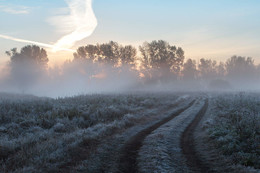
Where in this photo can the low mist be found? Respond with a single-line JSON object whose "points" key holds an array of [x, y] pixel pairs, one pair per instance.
{"points": [[114, 68]]}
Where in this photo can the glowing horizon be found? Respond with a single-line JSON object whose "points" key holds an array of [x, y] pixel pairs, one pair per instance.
{"points": [[215, 30]]}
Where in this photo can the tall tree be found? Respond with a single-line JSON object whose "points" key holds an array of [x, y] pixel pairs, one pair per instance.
{"points": [[33, 54], [239, 68], [128, 55], [164, 60], [90, 52], [207, 69], [189, 71], [107, 53], [27, 65], [221, 70]]}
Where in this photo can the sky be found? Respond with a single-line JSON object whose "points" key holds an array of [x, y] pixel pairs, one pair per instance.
{"points": [[215, 29]]}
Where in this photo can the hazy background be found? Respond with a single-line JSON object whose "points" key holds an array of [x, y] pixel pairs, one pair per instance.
{"points": [[208, 29], [220, 40], [111, 67]]}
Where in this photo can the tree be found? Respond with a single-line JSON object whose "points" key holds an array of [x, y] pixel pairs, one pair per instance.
{"points": [[88, 52], [240, 68], [207, 69], [33, 54], [258, 74], [163, 59], [221, 70], [27, 65], [110, 53], [258, 71], [189, 71], [128, 55]]}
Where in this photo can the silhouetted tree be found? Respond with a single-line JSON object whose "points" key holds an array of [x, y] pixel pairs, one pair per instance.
{"points": [[189, 71], [33, 54], [240, 68], [108, 53], [207, 69], [27, 65], [163, 59], [258, 71], [128, 55], [162, 62], [88, 52], [221, 70]]}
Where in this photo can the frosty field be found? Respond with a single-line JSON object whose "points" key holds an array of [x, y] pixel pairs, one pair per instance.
{"points": [[152, 132], [92, 86]]}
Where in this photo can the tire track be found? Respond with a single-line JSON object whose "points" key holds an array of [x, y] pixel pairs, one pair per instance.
{"points": [[188, 144], [85, 148], [127, 162]]}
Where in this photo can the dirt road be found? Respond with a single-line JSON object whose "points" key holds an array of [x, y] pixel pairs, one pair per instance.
{"points": [[132, 148], [188, 145], [128, 160]]}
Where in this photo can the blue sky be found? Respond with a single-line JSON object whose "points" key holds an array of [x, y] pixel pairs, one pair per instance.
{"points": [[214, 29]]}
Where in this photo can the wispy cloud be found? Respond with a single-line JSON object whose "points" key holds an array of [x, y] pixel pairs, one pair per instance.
{"points": [[15, 9], [79, 23], [35, 42]]}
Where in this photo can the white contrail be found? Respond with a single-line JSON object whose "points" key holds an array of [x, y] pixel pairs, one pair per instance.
{"points": [[35, 42], [82, 22]]}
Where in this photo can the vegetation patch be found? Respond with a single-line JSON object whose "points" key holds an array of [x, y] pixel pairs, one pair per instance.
{"points": [[236, 127]]}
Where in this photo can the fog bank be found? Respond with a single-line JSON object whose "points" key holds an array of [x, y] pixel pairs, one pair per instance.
{"points": [[114, 68]]}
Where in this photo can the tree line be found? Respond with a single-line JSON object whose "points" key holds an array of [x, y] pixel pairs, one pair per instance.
{"points": [[153, 62]]}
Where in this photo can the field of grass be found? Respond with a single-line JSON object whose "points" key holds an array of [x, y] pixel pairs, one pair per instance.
{"points": [[44, 134], [84, 132], [236, 127]]}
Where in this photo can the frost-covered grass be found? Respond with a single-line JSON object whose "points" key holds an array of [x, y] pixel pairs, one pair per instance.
{"points": [[161, 150], [44, 135], [236, 127]]}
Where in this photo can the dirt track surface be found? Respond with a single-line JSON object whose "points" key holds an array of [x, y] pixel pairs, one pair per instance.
{"points": [[173, 144], [170, 137], [129, 153], [194, 162]]}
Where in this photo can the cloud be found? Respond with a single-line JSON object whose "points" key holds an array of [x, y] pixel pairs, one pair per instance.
{"points": [[35, 42], [79, 24], [15, 9]]}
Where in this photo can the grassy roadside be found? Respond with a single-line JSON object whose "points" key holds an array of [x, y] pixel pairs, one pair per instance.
{"points": [[235, 128]]}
